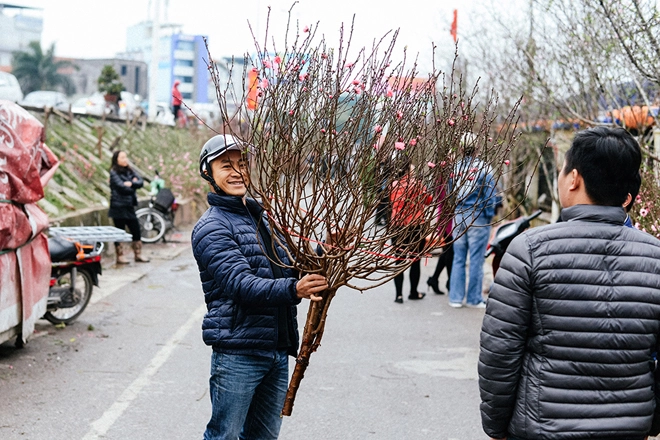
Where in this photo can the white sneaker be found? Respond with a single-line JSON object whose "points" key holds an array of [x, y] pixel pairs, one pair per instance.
{"points": [[455, 305], [480, 305]]}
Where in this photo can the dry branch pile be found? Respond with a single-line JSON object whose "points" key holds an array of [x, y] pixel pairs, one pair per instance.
{"points": [[333, 129]]}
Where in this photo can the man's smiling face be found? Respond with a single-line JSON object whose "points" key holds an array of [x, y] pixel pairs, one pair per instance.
{"points": [[230, 172]]}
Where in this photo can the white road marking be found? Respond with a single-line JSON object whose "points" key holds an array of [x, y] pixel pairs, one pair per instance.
{"points": [[102, 425]]}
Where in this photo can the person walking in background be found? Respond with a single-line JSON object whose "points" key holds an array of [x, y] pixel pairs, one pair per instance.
{"points": [[124, 182], [476, 201], [408, 198], [445, 261], [177, 100], [251, 299], [570, 336]]}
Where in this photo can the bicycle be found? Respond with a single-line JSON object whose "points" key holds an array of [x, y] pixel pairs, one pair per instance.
{"points": [[158, 218]]}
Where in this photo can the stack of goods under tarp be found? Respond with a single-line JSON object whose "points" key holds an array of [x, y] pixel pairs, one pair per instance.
{"points": [[26, 165]]}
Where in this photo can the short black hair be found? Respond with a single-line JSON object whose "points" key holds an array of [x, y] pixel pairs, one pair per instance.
{"points": [[608, 159]]}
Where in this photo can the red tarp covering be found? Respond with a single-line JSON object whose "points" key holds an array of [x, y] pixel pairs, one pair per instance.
{"points": [[26, 165]]}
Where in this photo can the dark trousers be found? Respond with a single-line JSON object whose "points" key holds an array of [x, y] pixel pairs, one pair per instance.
{"points": [[445, 261], [400, 243], [132, 224]]}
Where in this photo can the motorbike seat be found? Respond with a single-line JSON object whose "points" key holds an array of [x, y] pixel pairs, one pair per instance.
{"points": [[61, 249]]}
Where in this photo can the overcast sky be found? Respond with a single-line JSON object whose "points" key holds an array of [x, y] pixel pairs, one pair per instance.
{"points": [[97, 29]]}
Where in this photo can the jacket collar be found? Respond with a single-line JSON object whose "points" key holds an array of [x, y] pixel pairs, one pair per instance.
{"points": [[615, 215], [235, 203]]}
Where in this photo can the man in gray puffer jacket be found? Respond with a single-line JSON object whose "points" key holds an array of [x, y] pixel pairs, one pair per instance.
{"points": [[572, 325]]}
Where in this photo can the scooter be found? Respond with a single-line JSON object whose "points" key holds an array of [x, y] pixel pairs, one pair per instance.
{"points": [[75, 271], [75, 254], [504, 234]]}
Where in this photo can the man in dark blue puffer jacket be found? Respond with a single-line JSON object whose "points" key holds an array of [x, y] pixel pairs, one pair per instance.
{"points": [[251, 301], [572, 324]]}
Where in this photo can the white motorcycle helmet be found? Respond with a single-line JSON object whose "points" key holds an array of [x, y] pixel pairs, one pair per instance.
{"points": [[214, 148]]}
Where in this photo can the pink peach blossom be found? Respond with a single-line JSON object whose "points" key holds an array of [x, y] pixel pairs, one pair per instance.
{"points": [[348, 65], [254, 70], [356, 82], [264, 83], [303, 76], [267, 64], [323, 130], [277, 59], [399, 145], [450, 122], [443, 163], [324, 56], [399, 114], [413, 142], [389, 92], [507, 162], [306, 29], [378, 129], [431, 165], [291, 112], [643, 212]]}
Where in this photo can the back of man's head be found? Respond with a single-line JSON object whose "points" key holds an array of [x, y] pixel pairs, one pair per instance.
{"points": [[608, 160]]}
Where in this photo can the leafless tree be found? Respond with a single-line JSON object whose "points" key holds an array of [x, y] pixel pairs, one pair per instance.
{"points": [[336, 130]]}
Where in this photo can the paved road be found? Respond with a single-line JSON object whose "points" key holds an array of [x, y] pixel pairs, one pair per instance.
{"points": [[134, 366]]}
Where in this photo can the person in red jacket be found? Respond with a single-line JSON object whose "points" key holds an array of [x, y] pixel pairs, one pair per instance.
{"points": [[408, 198], [177, 99]]}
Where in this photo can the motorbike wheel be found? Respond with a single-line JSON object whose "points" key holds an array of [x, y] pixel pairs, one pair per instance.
{"points": [[152, 225], [80, 296]]}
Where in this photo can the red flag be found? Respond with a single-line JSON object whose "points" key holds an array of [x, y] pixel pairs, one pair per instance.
{"points": [[454, 26]]}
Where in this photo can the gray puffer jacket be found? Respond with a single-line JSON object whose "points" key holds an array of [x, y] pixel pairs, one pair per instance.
{"points": [[571, 331]]}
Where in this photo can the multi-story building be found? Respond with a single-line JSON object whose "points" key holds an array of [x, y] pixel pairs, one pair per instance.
{"points": [[132, 74], [20, 25], [180, 56]]}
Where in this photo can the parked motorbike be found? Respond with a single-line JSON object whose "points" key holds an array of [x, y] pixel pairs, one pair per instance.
{"points": [[75, 270], [75, 254], [504, 234], [158, 218]]}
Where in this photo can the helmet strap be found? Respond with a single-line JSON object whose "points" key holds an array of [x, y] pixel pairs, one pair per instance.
{"points": [[211, 180]]}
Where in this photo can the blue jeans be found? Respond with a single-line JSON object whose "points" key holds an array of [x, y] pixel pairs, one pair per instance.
{"points": [[473, 241], [247, 395]]}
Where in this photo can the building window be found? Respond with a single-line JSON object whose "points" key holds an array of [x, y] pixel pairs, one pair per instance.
{"points": [[184, 63], [186, 95], [185, 45], [123, 70]]}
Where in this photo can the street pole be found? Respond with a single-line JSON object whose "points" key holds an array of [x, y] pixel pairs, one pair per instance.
{"points": [[153, 62]]}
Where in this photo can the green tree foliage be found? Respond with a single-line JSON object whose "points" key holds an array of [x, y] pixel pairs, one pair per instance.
{"points": [[38, 70], [109, 81]]}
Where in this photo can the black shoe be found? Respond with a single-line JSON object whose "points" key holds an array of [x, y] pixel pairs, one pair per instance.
{"points": [[399, 299], [433, 284], [416, 295]]}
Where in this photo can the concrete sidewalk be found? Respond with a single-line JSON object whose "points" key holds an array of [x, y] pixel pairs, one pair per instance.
{"points": [[115, 276]]}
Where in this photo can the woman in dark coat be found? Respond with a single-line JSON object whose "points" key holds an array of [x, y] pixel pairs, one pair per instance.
{"points": [[124, 182]]}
